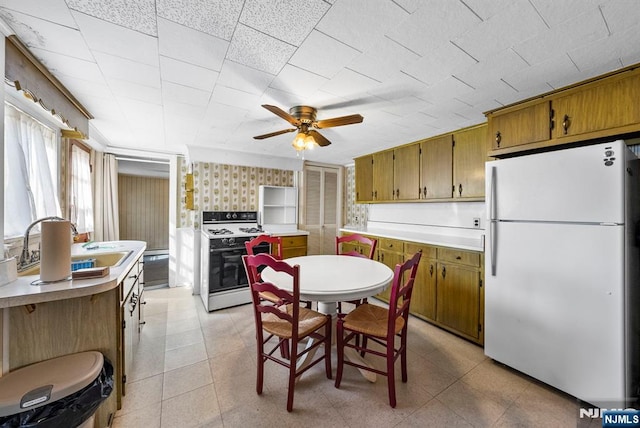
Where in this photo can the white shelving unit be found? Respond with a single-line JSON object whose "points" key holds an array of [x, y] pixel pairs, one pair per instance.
{"points": [[278, 208]]}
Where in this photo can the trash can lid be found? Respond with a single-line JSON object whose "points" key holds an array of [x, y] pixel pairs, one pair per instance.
{"points": [[47, 381]]}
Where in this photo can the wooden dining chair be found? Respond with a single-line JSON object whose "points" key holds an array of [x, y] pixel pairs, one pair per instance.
{"points": [[288, 322], [380, 325], [362, 240], [275, 242]]}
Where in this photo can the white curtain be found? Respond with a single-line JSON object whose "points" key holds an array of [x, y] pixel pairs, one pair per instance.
{"points": [[81, 203], [30, 177], [107, 226]]}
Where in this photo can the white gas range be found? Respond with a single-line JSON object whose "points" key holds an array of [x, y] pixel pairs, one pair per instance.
{"points": [[223, 282]]}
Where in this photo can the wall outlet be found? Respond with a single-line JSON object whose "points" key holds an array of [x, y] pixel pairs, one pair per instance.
{"points": [[476, 222]]}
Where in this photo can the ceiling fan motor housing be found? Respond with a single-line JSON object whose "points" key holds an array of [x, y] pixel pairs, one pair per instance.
{"points": [[305, 114]]}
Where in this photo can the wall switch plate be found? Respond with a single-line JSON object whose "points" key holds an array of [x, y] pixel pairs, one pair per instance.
{"points": [[476, 222]]}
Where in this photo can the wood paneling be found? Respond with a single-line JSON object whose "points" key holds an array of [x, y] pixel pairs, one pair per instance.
{"points": [[144, 210]]}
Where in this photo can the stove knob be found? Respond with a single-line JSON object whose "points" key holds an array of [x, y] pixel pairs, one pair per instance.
{"points": [[224, 241], [235, 215], [228, 215], [231, 241]]}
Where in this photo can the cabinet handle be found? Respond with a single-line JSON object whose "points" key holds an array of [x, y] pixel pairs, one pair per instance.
{"points": [[552, 122], [419, 193], [382, 257], [458, 258], [375, 194], [460, 189], [425, 191], [431, 270], [398, 193], [498, 139], [566, 123], [444, 271]]}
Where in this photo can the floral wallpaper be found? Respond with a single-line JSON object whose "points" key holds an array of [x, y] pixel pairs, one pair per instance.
{"points": [[355, 214], [219, 187]]}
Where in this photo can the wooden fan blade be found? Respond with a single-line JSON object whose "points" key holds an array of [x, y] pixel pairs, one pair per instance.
{"points": [[338, 121], [273, 134], [283, 114], [319, 138]]}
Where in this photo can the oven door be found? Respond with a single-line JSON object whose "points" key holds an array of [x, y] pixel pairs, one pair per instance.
{"points": [[226, 271]]}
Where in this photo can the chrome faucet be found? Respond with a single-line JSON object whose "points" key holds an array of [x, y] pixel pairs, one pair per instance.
{"points": [[25, 260]]}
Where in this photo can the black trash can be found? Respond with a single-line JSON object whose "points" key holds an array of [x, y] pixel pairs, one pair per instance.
{"points": [[60, 392]]}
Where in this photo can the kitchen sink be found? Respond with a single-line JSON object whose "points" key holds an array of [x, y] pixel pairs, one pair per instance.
{"points": [[112, 259]]}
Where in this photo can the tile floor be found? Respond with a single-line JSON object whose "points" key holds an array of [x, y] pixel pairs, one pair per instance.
{"points": [[197, 369]]}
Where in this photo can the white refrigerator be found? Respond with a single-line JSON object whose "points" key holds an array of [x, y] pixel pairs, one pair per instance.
{"points": [[562, 270]]}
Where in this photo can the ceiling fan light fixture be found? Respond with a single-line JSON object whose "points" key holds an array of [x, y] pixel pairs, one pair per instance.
{"points": [[299, 142]]}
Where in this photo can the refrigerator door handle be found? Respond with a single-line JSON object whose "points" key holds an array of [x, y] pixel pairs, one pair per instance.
{"points": [[493, 222]]}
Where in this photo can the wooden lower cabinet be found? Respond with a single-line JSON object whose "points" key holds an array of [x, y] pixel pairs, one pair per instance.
{"points": [[448, 290], [294, 246]]}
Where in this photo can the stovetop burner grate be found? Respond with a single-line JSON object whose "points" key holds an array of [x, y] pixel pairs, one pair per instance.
{"points": [[219, 231]]}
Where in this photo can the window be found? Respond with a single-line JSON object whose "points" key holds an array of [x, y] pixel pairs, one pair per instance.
{"points": [[81, 200], [31, 171]]}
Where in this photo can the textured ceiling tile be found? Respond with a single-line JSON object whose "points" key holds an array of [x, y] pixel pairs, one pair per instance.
{"points": [[349, 82], [409, 5], [607, 49], [491, 69], [508, 28], [298, 81], [191, 46], [233, 97], [621, 15], [139, 15], [486, 9], [358, 23], [582, 30], [217, 18], [38, 33], [323, 55], [243, 78], [60, 64], [556, 12], [85, 89], [187, 74], [176, 109], [131, 71], [54, 10], [287, 20], [535, 78], [223, 115], [260, 51], [113, 39], [433, 24], [135, 91], [440, 64], [185, 94], [388, 57]]}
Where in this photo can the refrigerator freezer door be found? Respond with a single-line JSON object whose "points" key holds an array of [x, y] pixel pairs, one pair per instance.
{"points": [[584, 184], [555, 308]]}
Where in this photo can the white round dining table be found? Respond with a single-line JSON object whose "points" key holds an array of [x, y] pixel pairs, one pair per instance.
{"points": [[328, 279]]}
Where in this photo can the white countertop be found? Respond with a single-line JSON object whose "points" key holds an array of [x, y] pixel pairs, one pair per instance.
{"points": [[287, 232], [21, 292], [473, 243]]}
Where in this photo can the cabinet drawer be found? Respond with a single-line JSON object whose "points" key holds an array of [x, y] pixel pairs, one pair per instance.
{"points": [[427, 250], [294, 252], [294, 241], [390, 244], [459, 256], [128, 282]]}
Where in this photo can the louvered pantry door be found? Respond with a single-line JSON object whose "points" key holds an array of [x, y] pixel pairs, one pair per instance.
{"points": [[321, 208]]}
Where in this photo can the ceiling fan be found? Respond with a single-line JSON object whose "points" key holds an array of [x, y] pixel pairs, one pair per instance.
{"points": [[304, 118]]}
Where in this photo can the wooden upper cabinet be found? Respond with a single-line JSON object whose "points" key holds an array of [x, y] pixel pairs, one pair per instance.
{"points": [[521, 125], [469, 156], [406, 172], [383, 176], [436, 167], [599, 107], [364, 178]]}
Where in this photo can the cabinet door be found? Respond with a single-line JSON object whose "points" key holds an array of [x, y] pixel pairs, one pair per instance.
{"points": [[423, 300], [525, 125], [612, 103], [458, 301], [383, 176], [406, 172], [469, 156], [364, 178], [436, 167], [391, 259]]}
